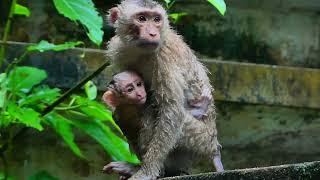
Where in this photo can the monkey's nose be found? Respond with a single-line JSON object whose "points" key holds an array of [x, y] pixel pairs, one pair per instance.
{"points": [[153, 34]]}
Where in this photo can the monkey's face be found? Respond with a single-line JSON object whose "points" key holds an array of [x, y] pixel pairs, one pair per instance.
{"points": [[147, 26], [132, 88], [140, 24]]}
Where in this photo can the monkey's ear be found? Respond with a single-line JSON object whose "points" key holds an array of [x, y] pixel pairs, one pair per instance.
{"points": [[111, 99], [114, 14]]}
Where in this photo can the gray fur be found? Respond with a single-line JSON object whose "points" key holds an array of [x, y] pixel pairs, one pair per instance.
{"points": [[169, 70]]}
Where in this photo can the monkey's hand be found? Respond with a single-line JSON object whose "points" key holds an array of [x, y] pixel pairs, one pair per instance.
{"points": [[199, 107], [140, 175], [124, 169]]}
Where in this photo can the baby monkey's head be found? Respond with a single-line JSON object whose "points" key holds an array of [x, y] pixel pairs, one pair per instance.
{"points": [[125, 88]]}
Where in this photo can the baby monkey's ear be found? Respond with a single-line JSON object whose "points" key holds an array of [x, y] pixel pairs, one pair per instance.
{"points": [[111, 99], [113, 16]]}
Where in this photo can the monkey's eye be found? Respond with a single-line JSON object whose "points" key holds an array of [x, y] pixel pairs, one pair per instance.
{"points": [[157, 19], [139, 84], [130, 89], [142, 18]]}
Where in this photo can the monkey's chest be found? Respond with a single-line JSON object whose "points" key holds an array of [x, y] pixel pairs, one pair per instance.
{"points": [[129, 123]]}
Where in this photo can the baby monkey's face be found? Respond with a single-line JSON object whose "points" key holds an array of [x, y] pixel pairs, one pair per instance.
{"points": [[132, 88]]}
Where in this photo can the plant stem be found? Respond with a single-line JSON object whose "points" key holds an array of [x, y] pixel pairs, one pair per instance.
{"points": [[69, 107], [76, 87], [6, 31], [15, 62], [5, 165]]}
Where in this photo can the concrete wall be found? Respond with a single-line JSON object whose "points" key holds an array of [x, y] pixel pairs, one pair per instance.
{"points": [[271, 32]]}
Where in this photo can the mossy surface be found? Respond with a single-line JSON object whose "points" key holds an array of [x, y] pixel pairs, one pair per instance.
{"points": [[305, 171]]}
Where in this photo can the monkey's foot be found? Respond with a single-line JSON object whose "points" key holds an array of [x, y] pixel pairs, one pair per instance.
{"points": [[141, 176]]}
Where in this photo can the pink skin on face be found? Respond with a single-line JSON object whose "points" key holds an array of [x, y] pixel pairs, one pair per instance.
{"points": [[132, 88]]}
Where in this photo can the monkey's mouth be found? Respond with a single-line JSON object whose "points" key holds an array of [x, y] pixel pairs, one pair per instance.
{"points": [[142, 100], [148, 44]]}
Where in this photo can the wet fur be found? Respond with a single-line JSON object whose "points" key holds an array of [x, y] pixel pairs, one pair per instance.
{"points": [[169, 71]]}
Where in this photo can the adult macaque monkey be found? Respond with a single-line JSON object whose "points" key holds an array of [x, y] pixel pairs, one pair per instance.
{"points": [[145, 43]]}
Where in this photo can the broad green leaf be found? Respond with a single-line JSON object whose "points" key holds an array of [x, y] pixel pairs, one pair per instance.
{"points": [[21, 10], [24, 78], [3, 89], [91, 90], [2, 77], [2, 177], [6, 119], [116, 147], [219, 4], [96, 110], [46, 46], [3, 92], [42, 175], [85, 12], [41, 94], [63, 127], [26, 116], [176, 16]]}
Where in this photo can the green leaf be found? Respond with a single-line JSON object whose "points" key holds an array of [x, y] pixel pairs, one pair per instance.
{"points": [[91, 90], [2, 177], [3, 88], [96, 110], [41, 94], [42, 175], [116, 147], [46, 46], [26, 116], [5, 119], [63, 127], [85, 12], [219, 4], [24, 78], [176, 16], [21, 10]]}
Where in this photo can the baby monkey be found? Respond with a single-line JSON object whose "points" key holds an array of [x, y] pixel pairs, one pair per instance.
{"points": [[126, 95]]}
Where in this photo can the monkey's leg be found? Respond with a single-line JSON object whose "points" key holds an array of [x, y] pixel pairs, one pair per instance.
{"points": [[202, 141], [178, 163], [217, 160], [164, 137]]}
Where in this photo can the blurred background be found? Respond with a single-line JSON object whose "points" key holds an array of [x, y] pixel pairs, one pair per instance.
{"points": [[263, 56]]}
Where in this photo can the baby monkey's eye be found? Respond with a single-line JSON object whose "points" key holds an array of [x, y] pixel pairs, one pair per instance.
{"points": [[157, 19], [139, 84], [142, 18], [129, 90]]}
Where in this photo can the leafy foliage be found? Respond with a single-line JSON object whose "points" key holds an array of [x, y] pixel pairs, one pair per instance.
{"points": [[42, 175], [21, 10], [83, 11], [45, 46], [24, 98], [91, 90], [22, 79], [219, 4], [64, 128]]}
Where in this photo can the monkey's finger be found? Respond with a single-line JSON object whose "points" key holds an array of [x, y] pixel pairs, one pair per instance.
{"points": [[123, 178], [121, 170], [107, 169]]}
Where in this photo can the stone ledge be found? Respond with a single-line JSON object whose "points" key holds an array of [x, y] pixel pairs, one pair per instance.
{"points": [[233, 81], [305, 171]]}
